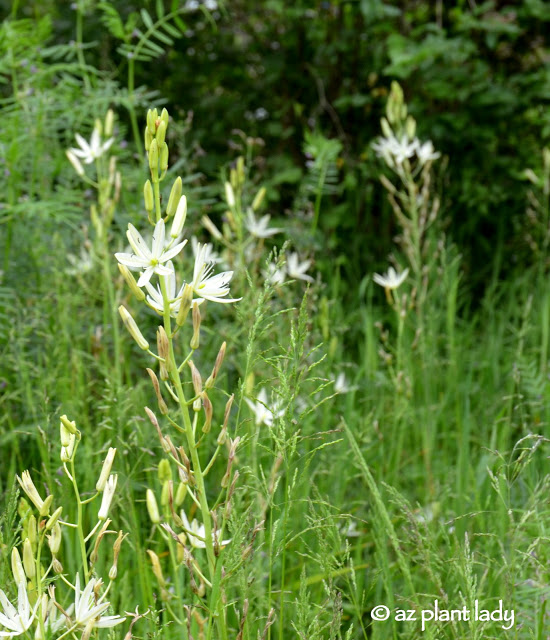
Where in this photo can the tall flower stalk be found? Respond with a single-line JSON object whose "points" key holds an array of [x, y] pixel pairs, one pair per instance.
{"points": [[177, 305]]}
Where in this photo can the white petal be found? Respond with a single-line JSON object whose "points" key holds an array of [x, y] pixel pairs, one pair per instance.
{"points": [[137, 243], [168, 255], [145, 276], [134, 262], [158, 239]]}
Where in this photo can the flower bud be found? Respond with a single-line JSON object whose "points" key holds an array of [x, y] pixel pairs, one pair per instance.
{"points": [[17, 567], [181, 492], [175, 195], [109, 123], [166, 494], [152, 507], [163, 347], [156, 386], [148, 196], [77, 166], [152, 116], [229, 195], [131, 282], [28, 559], [107, 498], [148, 138], [67, 452], [164, 471], [57, 566], [179, 218], [256, 203], [54, 539], [133, 329], [185, 304], [156, 568], [52, 521], [70, 425], [154, 156], [164, 157], [32, 530], [164, 117], [105, 470], [208, 410], [161, 133], [65, 435], [217, 366], [195, 340]]}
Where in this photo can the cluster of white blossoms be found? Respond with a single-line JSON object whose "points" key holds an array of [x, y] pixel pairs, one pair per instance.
{"points": [[395, 150], [85, 613], [157, 260]]}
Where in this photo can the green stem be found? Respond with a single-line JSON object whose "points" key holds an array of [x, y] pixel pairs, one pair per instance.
{"points": [[81, 540]]}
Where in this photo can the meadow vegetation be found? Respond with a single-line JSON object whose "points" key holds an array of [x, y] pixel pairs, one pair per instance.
{"points": [[274, 319]]}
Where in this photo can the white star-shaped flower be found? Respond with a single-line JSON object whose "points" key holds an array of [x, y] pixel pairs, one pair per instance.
{"points": [[260, 228], [391, 279], [93, 150], [262, 413], [426, 152], [149, 260], [208, 287], [155, 298], [88, 612], [296, 269], [17, 621], [196, 534], [209, 254], [395, 150]]}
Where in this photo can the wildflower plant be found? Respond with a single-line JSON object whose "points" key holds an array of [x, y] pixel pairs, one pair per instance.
{"points": [[46, 577], [190, 524]]}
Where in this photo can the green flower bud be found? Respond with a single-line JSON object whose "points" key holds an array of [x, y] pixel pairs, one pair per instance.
{"points": [[161, 133], [152, 507], [173, 200], [164, 157], [133, 329], [164, 471], [148, 196], [28, 559]]}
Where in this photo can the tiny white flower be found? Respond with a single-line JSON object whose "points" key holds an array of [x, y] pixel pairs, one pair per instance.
{"points": [[262, 413], [80, 264], [391, 279], [93, 150], [155, 298], [274, 275], [260, 228], [17, 621], [196, 534], [88, 612], [296, 269], [150, 260], [206, 286], [426, 152], [341, 384]]}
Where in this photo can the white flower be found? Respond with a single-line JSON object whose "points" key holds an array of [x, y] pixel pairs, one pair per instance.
{"points": [[426, 152], [209, 254], [151, 260], [155, 298], [296, 269], [260, 228], [261, 411], [196, 534], [87, 612], [208, 287], [17, 621], [341, 384], [81, 264], [92, 151], [390, 280], [394, 151], [274, 275]]}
